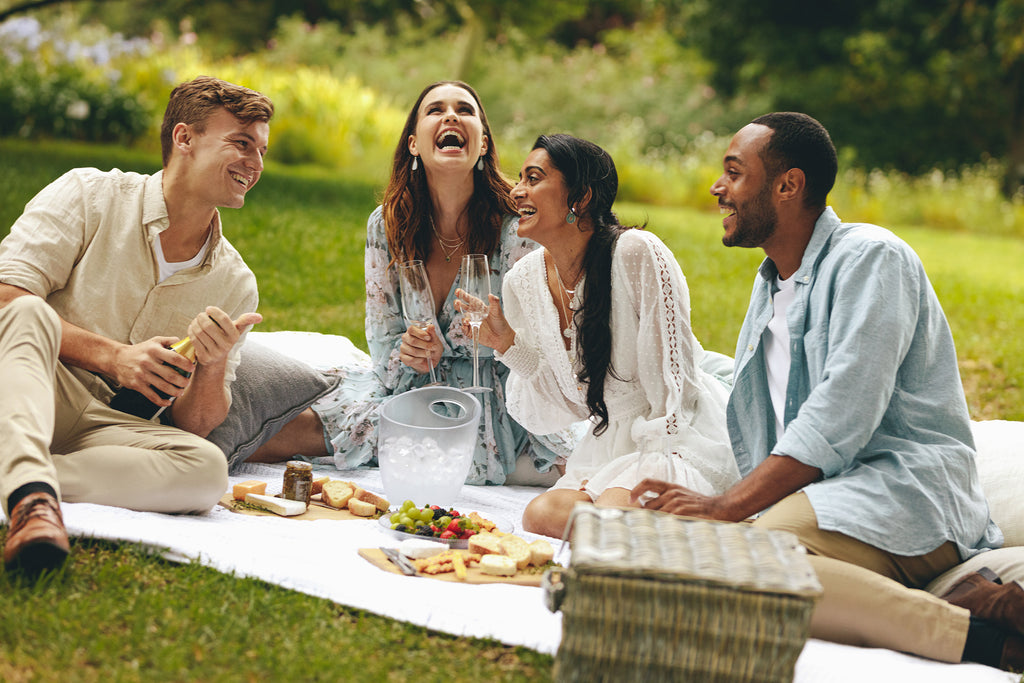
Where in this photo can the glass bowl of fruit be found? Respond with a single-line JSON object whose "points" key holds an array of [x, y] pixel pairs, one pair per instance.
{"points": [[436, 523]]}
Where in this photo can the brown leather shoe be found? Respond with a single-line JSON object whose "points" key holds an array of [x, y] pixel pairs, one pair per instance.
{"points": [[37, 539], [1013, 654], [986, 599]]}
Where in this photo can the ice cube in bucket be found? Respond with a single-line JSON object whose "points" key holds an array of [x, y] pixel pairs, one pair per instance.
{"points": [[425, 444]]}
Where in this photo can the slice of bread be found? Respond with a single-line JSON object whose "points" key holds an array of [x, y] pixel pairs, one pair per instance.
{"points": [[484, 543], [517, 549], [318, 485], [541, 552], [336, 494], [378, 502], [360, 508]]}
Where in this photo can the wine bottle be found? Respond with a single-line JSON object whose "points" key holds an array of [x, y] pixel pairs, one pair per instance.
{"points": [[134, 403]]}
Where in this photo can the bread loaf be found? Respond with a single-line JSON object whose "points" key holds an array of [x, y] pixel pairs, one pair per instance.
{"points": [[484, 543], [360, 508], [541, 552], [318, 485], [377, 501], [336, 494], [517, 549]]}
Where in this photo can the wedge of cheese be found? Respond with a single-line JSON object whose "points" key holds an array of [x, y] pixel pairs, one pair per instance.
{"points": [[279, 506], [498, 565], [238, 491]]}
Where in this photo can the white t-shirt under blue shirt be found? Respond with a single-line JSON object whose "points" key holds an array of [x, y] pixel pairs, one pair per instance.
{"points": [[776, 351]]}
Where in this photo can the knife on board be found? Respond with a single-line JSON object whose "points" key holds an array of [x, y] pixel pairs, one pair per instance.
{"points": [[400, 561]]}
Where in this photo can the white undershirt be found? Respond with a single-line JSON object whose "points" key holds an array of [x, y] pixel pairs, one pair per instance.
{"points": [[776, 351], [168, 269]]}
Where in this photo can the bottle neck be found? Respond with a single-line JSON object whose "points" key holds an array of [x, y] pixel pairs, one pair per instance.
{"points": [[185, 348]]}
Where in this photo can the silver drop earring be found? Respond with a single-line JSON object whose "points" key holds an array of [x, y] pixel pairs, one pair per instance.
{"points": [[480, 164], [415, 163], [570, 217]]}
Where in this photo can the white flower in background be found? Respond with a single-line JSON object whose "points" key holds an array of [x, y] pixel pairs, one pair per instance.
{"points": [[77, 110]]}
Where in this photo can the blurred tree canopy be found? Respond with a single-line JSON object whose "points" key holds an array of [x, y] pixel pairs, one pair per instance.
{"points": [[907, 84], [910, 84]]}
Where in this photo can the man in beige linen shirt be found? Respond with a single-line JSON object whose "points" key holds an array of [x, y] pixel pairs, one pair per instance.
{"points": [[98, 276]]}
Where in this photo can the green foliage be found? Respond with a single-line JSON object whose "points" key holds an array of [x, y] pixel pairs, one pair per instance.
{"points": [[908, 84], [56, 87]]}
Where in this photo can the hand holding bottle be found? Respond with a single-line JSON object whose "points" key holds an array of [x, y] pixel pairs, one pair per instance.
{"points": [[160, 369]]}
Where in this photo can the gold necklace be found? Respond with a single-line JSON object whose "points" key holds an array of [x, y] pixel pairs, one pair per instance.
{"points": [[447, 248], [563, 290]]}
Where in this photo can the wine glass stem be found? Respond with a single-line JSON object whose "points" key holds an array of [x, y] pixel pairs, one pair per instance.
{"points": [[476, 355], [433, 377]]}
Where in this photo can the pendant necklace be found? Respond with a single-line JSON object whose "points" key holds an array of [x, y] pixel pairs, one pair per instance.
{"points": [[448, 248], [567, 332]]}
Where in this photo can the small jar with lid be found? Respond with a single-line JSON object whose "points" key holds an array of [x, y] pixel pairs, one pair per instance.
{"points": [[298, 481]]}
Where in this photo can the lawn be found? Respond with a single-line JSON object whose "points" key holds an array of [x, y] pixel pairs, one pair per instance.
{"points": [[116, 613]]}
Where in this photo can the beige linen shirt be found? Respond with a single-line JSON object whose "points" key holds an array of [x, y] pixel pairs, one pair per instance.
{"points": [[85, 245]]}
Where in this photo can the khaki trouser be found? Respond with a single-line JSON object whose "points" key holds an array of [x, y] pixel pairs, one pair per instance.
{"points": [[872, 597], [52, 430]]}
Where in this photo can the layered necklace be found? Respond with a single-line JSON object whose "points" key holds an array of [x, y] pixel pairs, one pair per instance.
{"points": [[448, 247], [566, 297]]}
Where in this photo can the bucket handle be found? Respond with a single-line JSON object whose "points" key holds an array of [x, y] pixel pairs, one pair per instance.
{"points": [[445, 412]]}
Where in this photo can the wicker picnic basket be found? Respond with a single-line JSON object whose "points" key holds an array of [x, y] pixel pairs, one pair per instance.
{"points": [[655, 597]]}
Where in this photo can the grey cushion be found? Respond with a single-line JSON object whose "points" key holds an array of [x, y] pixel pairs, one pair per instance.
{"points": [[269, 390]]}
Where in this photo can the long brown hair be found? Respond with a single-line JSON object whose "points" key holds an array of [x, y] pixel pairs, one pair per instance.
{"points": [[407, 204]]}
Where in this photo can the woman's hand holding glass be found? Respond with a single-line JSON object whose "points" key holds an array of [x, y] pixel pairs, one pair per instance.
{"points": [[494, 332], [421, 347]]}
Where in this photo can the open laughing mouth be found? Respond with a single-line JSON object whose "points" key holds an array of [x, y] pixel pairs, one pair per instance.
{"points": [[450, 140], [242, 180], [527, 212]]}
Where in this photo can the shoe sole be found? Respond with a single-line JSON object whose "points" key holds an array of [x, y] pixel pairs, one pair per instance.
{"points": [[38, 557]]}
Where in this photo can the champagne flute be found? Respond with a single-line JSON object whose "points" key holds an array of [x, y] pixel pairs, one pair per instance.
{"points": [[476, 283], [417, 300]]}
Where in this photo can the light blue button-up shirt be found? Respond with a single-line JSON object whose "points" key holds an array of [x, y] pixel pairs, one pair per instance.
{"points": [[874, 397]]}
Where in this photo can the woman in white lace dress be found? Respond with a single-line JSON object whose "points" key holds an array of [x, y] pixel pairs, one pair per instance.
{"points": [[597, 325]]}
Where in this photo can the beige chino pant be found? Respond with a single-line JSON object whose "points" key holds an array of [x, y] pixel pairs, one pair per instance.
{"points": [[872, 598], [52, 430]]}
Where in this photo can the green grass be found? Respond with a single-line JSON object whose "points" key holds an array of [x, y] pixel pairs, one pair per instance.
{"points": [[118, 614]]}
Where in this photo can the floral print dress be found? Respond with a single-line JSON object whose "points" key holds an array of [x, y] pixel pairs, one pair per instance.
{"points": [[350, 412]]}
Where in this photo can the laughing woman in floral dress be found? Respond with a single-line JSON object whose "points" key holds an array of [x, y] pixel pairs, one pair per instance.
{"points": [[446, 198]]}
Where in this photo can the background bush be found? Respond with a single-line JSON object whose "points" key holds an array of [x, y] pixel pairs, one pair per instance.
{"points": [[341, 97]]}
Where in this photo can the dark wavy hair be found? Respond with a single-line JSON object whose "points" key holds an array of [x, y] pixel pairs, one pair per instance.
{"points": [[799, 141], [588, 168], [407, 204]]}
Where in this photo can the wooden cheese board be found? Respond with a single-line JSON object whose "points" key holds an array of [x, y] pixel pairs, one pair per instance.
{"points": [[531, 576]]}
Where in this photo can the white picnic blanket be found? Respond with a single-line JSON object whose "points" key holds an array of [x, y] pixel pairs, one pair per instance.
{"points": [[320, 558]]}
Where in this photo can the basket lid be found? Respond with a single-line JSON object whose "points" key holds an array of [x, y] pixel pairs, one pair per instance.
{"points": [[646, 543]]}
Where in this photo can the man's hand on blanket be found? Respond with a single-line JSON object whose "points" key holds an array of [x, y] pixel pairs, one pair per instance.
{"points": [[655, 494]]}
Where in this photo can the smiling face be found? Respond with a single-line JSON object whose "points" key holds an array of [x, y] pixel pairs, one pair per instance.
{"points": [[449, 131], [744, 190], [541, 197], [225, 160]]}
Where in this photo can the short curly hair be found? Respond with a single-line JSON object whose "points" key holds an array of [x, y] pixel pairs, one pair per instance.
{"points": [[799, 141]]}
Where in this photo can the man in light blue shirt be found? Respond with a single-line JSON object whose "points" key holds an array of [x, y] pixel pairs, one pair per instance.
{"points": [[847, 415]]}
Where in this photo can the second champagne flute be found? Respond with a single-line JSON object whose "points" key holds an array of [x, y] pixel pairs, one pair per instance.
{"points": [[476, 283], [417, 300]]}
